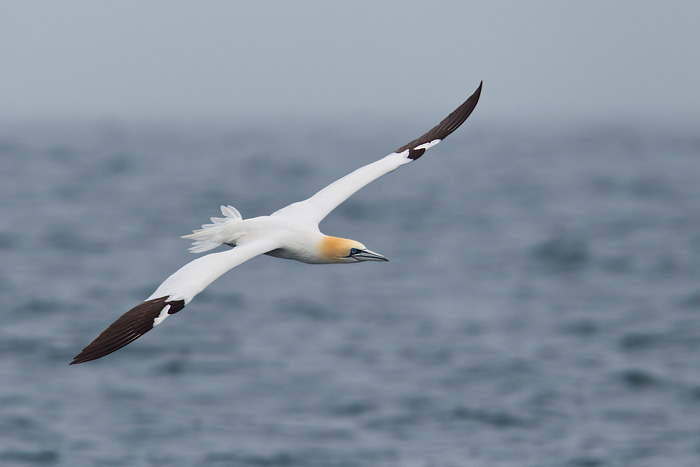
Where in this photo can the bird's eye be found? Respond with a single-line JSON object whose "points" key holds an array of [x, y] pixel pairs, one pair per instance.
{"points": [[354, 251]]}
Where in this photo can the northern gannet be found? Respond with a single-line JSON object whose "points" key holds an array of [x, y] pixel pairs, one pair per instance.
{"points": [[290, 233]]}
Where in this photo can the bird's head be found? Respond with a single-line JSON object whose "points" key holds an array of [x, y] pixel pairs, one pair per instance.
{"points": [[343, 250]]}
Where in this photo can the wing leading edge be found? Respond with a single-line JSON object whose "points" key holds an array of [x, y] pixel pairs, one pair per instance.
{"points": [[170, 297], [326, 200]]}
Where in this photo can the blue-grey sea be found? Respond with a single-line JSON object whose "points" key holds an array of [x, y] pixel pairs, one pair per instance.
{"points": [[541, 306]]}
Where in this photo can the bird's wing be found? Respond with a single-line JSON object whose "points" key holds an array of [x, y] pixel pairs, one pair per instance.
{"points": [[322, 203], [171, 296]]}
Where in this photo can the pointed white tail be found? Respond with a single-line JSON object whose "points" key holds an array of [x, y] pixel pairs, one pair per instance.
{"points": [[213, 235]]}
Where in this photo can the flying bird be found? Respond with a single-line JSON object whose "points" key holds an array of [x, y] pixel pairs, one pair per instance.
{"points": [[290, 233]]}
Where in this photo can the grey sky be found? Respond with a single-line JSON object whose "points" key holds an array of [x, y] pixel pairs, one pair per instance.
{"points": [[320, 59]]}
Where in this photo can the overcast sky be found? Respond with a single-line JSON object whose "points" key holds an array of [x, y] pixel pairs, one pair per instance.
{"points": [[247, 60]]}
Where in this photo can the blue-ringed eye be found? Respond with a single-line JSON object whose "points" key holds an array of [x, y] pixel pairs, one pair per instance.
{"points": [[354, 251]]}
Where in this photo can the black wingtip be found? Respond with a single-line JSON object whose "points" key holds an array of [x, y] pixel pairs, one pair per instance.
{"points": [[129, 327], [445, 127]]}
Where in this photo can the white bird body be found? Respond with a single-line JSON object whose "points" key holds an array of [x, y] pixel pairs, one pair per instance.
{"points": [[289, 233]]}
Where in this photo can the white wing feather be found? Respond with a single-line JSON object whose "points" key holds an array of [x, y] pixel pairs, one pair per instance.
{"points": [[196, 275], [316, 208], [321, 204], [171, 297]]}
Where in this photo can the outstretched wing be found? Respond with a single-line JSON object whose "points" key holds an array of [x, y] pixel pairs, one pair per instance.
{"points": [[170, 297], [322, 203]]}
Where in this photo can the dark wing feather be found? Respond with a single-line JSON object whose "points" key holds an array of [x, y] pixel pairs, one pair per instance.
{"points": [[445, 127], [129, 327]]}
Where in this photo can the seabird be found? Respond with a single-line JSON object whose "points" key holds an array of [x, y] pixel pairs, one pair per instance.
{"points": [[290, 233]]}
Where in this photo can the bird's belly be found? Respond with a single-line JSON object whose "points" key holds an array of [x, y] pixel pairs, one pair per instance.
{"points": [[297, 255], [280, 253]]}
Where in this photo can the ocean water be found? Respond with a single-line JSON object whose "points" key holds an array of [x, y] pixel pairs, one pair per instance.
{"points": [[541, 306]]}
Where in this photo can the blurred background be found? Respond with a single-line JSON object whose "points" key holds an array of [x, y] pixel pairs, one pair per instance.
{"points": [[541, 303]]}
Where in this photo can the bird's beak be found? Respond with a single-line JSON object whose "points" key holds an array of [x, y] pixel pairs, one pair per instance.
{"points": [[367, 255]]}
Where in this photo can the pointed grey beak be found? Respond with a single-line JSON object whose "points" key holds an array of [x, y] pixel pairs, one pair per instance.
{"points": [[367, 255]]}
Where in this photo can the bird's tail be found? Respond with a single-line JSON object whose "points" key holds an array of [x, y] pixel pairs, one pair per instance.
{"points": [[213, 235]]}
